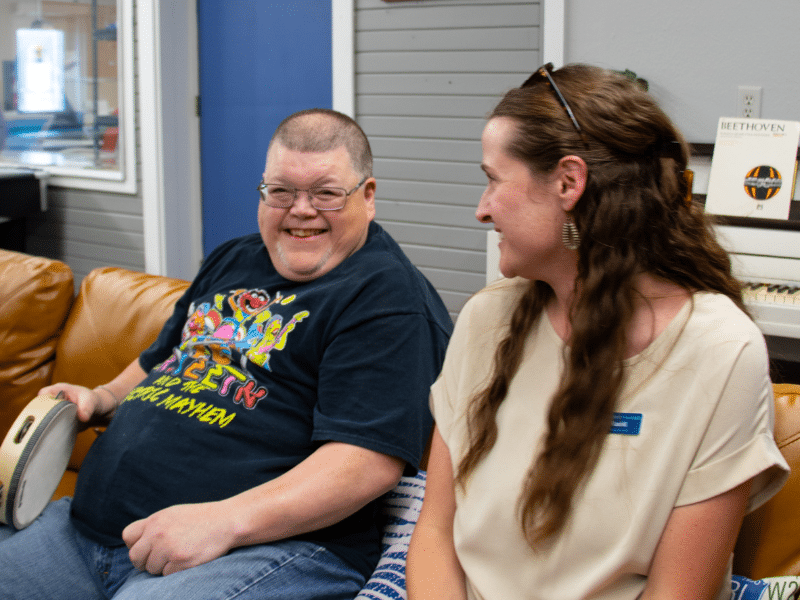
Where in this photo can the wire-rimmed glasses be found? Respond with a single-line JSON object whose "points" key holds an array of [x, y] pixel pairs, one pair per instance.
{"points": [[278, 195]]}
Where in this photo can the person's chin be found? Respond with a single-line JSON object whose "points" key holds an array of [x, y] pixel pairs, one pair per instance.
{"points": [[303, 268]]}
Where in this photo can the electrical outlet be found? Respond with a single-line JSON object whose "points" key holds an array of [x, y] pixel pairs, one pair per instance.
{"points": [[748, 102]]}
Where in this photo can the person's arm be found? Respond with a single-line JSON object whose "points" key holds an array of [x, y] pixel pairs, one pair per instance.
{"points": [[692, 556], [99, 403], [333, 483], [432, 568]]}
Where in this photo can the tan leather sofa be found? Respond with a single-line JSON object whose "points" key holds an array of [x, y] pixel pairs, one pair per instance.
{"points": [[45, 336]]}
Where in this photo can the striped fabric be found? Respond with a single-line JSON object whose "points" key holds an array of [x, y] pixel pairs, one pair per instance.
{"points": [[401, 509]]}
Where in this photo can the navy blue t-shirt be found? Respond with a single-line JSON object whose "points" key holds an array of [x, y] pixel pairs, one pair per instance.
{"points": [[253, 372]]}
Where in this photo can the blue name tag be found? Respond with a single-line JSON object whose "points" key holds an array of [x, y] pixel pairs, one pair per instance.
{"points": [[626, 423]]}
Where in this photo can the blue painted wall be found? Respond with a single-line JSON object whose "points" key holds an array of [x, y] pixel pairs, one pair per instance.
{"points": [[259, 62]]}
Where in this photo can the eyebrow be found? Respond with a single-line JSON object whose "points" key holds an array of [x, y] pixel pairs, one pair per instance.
{"points": [[324, 181]]}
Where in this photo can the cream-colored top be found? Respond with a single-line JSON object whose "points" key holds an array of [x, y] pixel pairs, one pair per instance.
{"points": [[702, 390]]}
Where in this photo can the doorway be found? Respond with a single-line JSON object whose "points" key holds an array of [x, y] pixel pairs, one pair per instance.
{"points": [[259, 62]]}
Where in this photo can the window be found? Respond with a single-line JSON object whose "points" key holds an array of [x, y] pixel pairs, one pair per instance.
{"points": [[67, 99]]}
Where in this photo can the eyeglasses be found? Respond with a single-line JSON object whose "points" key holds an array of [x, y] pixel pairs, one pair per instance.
{"points": [[278, 195], [544, 73]]}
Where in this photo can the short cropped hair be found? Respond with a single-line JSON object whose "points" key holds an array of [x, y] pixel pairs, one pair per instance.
{"points": [[323, 130]]}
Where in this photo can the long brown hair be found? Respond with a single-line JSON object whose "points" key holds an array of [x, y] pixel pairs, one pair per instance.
{"points": [[632, 218]]}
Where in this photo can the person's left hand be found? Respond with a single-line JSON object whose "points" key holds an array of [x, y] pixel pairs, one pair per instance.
{"points": [[178, 538]]}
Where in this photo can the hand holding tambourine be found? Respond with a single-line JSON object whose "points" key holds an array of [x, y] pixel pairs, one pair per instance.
{"points": [[33, 458]]}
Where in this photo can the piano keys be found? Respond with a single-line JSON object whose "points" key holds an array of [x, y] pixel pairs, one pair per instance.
{"points": [[768, 262]]}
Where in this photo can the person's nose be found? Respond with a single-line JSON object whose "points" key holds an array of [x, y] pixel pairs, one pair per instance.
{"points": [[302, 206], [482, 212]]}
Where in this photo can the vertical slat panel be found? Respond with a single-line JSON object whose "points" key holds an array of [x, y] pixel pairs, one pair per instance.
{"points": [[427, 73], [89, 229]]}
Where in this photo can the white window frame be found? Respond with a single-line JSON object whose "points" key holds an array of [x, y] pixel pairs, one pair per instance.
{"points": [[123, 179]]}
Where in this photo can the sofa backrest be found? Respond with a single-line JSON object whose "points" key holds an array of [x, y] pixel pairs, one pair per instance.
{"points": [[35, 296], [117, 314]]}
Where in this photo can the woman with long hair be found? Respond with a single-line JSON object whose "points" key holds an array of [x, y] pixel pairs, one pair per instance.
{"points": [[604, 416]]}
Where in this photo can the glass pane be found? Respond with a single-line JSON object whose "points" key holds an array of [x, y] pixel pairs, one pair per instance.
{"points": [[60, 103]]}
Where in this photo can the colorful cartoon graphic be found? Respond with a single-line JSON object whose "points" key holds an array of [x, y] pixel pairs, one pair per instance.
{"points": [[221, 338], [250, 328]]}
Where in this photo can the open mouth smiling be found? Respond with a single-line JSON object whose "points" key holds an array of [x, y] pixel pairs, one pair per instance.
{"points": [[305, 233]]}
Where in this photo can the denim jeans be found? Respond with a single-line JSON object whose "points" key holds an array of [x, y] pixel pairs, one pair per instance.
{"points": [[51, 559]]}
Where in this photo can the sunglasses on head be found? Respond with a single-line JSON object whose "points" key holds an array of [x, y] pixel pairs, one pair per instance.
{"points": [[545, 74], [667, 150]]}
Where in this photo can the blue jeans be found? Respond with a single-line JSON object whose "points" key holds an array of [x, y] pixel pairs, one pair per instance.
{"points": [[51, 559]]}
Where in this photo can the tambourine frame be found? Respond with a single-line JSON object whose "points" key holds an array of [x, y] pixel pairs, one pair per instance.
{"points": [[35, 450]]}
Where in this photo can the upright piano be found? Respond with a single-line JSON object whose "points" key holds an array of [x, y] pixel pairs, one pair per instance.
{"points": [[767, 260]]}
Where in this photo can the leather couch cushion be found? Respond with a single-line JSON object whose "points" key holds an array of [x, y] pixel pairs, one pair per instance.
{"points": [[117, 314], [35, 295], [769, 543]]}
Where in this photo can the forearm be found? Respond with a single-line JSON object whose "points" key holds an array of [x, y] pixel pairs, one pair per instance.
{"points": [[96, 406], [433, 571], [114, 391], [333, 483], [330, 485], [432, 568]]}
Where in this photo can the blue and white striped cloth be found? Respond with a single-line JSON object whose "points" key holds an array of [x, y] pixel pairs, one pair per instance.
{"points": [[401, 509]]}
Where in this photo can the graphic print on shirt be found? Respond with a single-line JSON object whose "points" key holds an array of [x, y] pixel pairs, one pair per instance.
{"points": [[217, 343]]}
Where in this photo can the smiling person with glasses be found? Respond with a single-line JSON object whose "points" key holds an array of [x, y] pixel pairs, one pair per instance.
{"points": [[604, 415], [312, 215], [251, 443]]}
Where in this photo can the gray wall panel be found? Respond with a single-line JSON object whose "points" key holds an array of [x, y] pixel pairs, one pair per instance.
{"points": [[430, 191], [444, 15], [490, 61], [430, 106], [488, 38], [438, 149], [453, 280], [427, 74], [437, 83], [428, 214], [456, 128], [420, 170], [88, 229], [457, 238], [446, 258]]}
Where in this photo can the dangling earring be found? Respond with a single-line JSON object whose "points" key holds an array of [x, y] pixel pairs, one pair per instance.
{"points": [[569, 235]]}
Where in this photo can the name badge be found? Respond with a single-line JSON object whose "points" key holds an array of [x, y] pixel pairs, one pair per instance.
{"points": [[626, 423]]}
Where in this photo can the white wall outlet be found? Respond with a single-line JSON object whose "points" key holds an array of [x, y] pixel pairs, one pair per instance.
{"points": [[748, 102]]}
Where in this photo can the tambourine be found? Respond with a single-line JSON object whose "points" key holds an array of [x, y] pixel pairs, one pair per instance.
{"points": [[33, 458]]}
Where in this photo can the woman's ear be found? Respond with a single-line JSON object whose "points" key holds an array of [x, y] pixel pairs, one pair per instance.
{"points": [[571, 173]]}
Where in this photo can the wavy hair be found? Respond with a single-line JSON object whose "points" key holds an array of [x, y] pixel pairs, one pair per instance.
{"points": [[633, 218]]}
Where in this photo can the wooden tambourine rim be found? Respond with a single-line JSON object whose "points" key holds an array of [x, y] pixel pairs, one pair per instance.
{"points": [[43, 410]]}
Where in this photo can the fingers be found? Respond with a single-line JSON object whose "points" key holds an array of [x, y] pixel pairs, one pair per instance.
{"points": [[133, 532], [141, 552], [175, 539], [87, 401], [153, 553], [53, 390]]}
